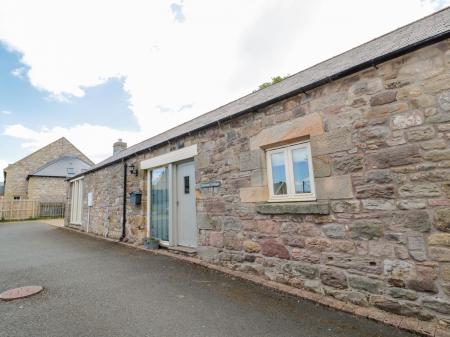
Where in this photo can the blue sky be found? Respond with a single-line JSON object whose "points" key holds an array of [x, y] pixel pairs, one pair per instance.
{"points": [[74, 69], [22, 103]]}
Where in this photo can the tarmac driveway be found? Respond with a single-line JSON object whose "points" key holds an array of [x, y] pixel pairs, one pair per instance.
{"points": [[98, 288]]}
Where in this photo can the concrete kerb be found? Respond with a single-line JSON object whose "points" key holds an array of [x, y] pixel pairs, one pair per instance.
{"points": [[410, 324]]}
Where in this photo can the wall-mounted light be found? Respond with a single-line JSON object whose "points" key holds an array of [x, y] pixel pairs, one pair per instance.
{"points": [[133, 170]]}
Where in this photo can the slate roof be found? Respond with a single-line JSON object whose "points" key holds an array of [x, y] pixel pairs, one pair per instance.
{"points": [[64, 166], [398, 42]]}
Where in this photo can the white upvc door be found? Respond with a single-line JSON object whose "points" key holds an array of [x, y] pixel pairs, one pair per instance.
{"points": [[185, 205]]}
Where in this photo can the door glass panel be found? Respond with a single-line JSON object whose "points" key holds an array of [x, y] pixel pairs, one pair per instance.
{"points": [[278, 173], [301, 170], [186, 185], [159, 204]]}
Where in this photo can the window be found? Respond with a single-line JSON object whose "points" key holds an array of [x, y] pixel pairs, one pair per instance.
{"points": [[290, 173], [76, 203], [16, 197]]}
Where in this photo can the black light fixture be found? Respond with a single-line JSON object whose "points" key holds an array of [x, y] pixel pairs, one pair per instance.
{"points": [[133, 170]]}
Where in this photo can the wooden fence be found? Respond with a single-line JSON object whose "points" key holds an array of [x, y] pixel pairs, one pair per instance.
{"points": [[30, 209]]}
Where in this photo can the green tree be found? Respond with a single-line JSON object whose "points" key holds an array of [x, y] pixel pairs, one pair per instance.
{"points": [[275, 79]]}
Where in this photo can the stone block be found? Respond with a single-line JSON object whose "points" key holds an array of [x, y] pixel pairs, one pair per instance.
{"points": [[381, 248], [431, 176], [401, 293], [365, 264], [273, 248], [411, 204], [334, 231], [442, 219], [439, 239], [254, 194], [252, 160], [396, 156], [419, 190], [444, 100], [440, 254], [333, 278], [374, 191], [251, 246], [437, 155], [366, 230], [294, 208], [345, 206], [216, 239], [416, 220], [393, 306], [441, 117], [434, 144], [397, 269], [348, 164], [317, 244], [364, 283], [322, 167], [383, 98], [337, 140], [379, 176], [416, 246], [231, 224], [406, 120], [336, 187], [379, 204], [420, 133], [445, 272], [303, 270], [438, 305], [207, 253], [258, 177], [281, 133]]}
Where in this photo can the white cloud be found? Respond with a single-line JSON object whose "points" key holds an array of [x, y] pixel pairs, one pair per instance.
{"points": [[19, 72], [85, 137], [6, 112], [176, 69]]}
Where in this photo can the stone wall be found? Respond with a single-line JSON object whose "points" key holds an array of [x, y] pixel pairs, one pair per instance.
{"points": [[16, 183], [378, 234], [47, 189]]}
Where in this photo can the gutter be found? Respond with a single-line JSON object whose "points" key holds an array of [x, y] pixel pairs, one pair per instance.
{"points": [[365, 65]]}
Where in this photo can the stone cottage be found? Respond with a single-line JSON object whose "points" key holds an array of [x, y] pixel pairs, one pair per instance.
{"points": [[335, 180], [42, 175]]}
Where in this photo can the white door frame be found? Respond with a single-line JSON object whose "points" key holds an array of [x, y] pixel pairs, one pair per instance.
{"points": [[170, 160]]}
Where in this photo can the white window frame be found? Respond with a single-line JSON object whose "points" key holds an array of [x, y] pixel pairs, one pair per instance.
{"points": [[289, 173]]}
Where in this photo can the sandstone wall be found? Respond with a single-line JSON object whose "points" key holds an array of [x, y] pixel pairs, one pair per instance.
{"points": [[46, 189], [16, 174], [378, 234]]}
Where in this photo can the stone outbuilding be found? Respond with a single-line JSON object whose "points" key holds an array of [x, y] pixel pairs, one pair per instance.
{"points": [[42, 175], [335, 180]]}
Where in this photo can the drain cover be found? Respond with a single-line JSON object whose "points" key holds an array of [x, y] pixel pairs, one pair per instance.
{"points": [[22, 292]]}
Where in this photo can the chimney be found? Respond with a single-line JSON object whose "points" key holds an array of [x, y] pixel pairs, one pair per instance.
{"points": [[119, 146]]}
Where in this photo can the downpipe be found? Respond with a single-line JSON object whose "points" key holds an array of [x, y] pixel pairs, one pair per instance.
{"points": [[124, 206]]}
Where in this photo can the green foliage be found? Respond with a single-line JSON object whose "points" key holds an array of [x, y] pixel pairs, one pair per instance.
{"points": [[275, 79]]}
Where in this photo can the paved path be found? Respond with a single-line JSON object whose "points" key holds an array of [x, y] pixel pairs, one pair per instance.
{"points": [[98, 288]]}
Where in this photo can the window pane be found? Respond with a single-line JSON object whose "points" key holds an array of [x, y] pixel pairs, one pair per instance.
{"points": [[278, 173], [159, 204], [301, 171]]}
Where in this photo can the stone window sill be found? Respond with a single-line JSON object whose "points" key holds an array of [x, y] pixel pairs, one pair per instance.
{"points": [[317, 207]]}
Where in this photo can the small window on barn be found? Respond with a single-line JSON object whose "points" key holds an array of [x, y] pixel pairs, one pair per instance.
{"points": [[16, 197], [290, 173]]}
